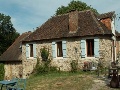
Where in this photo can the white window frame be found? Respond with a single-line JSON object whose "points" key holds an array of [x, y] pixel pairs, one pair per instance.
{"points": [[29, 57], [86, 47], [57, 51]]}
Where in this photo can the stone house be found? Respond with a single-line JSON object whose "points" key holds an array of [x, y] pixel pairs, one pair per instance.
{"points": [[78, 35], [12, 58]]}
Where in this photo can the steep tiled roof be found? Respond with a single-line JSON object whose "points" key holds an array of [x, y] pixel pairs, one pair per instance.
{"points": [[13, 53], [58, 27], [107, 15]]}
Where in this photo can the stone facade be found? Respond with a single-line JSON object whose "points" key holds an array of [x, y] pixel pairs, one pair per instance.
{"points": [[12, 70], [105, 51], [73, 53]]}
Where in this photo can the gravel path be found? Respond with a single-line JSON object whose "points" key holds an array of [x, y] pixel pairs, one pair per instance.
{"points": [[102, 84]]}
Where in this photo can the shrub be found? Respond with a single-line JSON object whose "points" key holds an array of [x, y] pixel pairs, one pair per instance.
{"points": [[74, 66], [2, 71], [44, 54], [44, 67]]}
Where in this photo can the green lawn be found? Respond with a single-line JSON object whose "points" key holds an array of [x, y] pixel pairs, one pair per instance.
{"points": [[60, 81]]}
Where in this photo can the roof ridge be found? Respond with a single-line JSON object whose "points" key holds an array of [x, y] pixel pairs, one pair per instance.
{"points": [[107, 15], [29, 33], [96, 21]]}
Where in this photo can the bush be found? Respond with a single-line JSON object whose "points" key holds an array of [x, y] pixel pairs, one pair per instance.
{"points": [[44, 67], [74, 66], [2, 71], [44, 54]]}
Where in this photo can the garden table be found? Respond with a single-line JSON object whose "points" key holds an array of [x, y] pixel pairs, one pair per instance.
{"points": [[6, 83]]}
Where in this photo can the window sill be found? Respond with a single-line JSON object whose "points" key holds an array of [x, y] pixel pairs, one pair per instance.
{"points": [[88, 58], [58, 58], [31, 58]]}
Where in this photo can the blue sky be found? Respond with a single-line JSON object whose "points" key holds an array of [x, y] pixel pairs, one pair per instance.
{"points": [[26, 15]]}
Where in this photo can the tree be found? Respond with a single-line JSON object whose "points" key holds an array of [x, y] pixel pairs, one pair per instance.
{"points": [[7, 32], [74, 5]]}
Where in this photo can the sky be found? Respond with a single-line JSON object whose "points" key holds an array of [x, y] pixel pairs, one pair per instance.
{"points": [[26, 15]]}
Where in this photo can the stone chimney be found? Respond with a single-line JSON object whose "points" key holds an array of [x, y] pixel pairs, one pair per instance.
{"points": [[73, 21], [107, 22]]}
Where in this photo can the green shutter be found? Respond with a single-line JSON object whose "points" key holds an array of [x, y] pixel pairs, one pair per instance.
{"points": [[53, 50], [64, 48], [96, 47], [27, 50], [34, 51], [82, 48]]}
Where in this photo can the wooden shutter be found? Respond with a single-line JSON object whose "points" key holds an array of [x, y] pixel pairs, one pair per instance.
{"points": [[64, 48], [53, 50], [27, 50], [34, 51], [96, 47], [83, 49]]}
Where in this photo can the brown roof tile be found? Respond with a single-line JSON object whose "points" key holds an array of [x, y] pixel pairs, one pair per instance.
{"points": [[107, 15], [13, 53], [58, 27]]}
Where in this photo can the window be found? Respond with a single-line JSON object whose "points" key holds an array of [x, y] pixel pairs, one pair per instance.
{"points": [[59, 49], [90, 47], [31, 50]]}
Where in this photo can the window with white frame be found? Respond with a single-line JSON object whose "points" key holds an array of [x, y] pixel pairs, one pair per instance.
{"points": [[59, 49], [89, 48], [31, 50]]}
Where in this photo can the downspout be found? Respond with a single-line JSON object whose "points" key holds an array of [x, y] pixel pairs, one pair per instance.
{"points": [[114, 39]]}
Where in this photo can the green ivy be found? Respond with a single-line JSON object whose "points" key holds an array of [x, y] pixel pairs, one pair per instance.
{"points": [[44, 54], [44, 66], [2, 71], [74, 66]]}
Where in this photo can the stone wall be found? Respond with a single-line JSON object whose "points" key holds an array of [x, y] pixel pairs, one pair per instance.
{"points": [[28, 64], [73, 53], [12, 70], [105, 51]]}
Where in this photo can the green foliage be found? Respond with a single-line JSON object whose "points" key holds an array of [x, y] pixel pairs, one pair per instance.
{"points": [[7, 32], [44, 54], [2, 71], [74, 66], [44, 66], [74, 5]]}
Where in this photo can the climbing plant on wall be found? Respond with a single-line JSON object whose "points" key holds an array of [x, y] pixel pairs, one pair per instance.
{"points": [[2, 71]]}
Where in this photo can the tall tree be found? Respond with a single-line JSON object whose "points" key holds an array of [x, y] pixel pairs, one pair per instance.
{"points": [[7, 32], [74, 5]]}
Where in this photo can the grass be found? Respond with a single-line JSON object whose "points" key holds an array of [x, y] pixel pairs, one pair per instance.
{"points": [[60, 81]]}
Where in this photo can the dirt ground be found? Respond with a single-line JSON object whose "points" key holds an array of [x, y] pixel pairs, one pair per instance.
{"points": [[102, 83]]}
